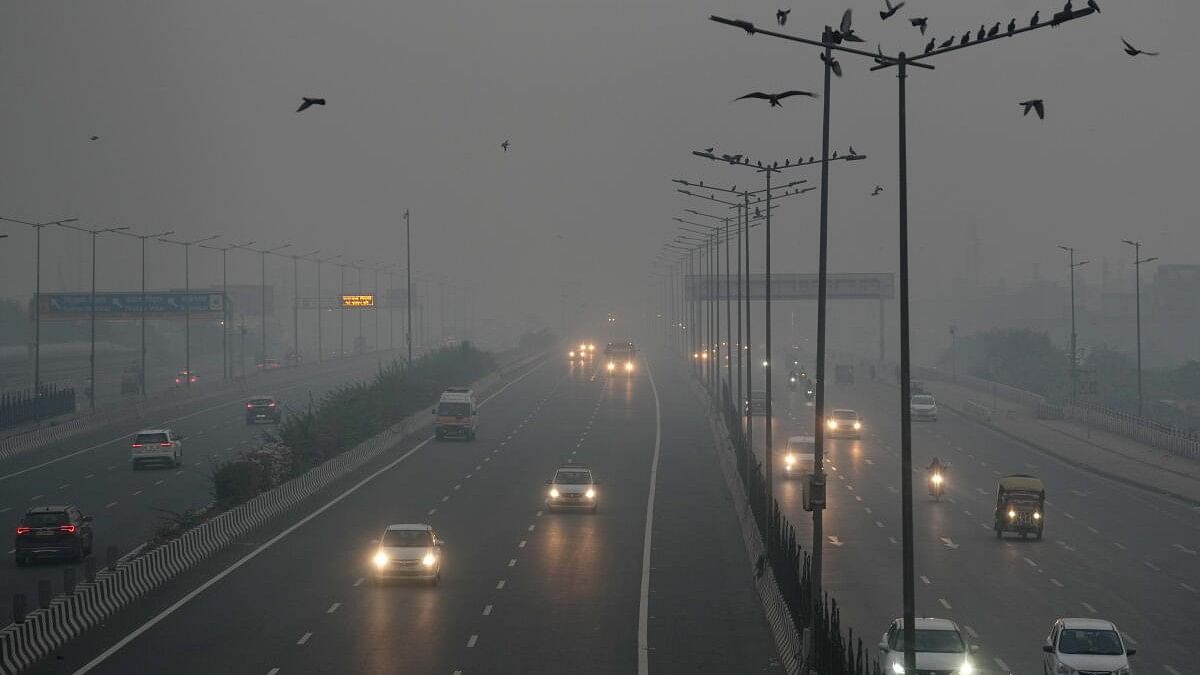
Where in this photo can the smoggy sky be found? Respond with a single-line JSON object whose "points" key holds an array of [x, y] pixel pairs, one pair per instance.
{"points": [[194, 105]]}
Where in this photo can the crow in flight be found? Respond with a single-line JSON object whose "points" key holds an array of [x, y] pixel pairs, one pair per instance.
{"points": [[889, 9], [1037, 105], [774, 99], [877, 190], [309, 102], [1134, 51], [781, 15], [505, 145], [921, 22]]}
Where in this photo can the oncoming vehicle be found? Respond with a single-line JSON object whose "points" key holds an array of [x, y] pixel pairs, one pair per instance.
{"points": [[263, 409], [1085, 646], [923, 407], [844, 423], [619, 357], [584, 352], [800, 458], [456, 414], [938, 644], [1020, 502], [52, 532], [156, 446], [408, 551], [573, 487]]}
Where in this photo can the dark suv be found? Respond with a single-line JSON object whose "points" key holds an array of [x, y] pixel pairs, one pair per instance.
{"points": [[53, 531], [263, 409]]}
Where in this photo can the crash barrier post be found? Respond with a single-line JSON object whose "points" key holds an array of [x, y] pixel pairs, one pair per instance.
{"points": [[828, 649]]}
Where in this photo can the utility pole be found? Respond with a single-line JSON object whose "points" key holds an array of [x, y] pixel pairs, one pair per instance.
{"points": [[408, 333], [1138, 261], [226, 366], [1072, 265], [187, 304]]}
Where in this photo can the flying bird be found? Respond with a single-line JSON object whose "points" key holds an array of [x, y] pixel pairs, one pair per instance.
{"points": [[781, 15], [309, 102], [96, 138], [889, 9], [1012, 25], [834, 65], [1034, 21], [921, 22], [1037, 105], [994, 30], [1134, 51], [947, 43], [845, 31], [774, 99], [505, 145], [877, 190]]}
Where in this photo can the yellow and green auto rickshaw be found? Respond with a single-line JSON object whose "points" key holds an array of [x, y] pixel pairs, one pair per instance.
{"points": [[1020, 505]]}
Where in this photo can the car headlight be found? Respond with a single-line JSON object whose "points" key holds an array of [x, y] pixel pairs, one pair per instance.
{"points": [[571, 355], [554, 493], [612, 366], [857, 426], [591, 494], [582, 347], [790, 459], [629, 366], [967, 668], [1012, 513], [792, 379], [937, 479], [1037, 516], [429, 560], [897, 668], [381, 559], [832, 424]]}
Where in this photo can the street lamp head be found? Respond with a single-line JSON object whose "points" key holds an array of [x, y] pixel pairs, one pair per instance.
{"points": [[1146, 260], [1132, 243]]}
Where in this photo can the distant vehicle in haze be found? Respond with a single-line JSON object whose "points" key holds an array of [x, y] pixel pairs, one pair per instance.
{"points": [[456, 414], [156, 446], [1020, 505], [185, 377], [1085, 646], [923, 407], [268, 364], [844, 423], [620, 357], [584, 352], [573, 487], [408, 551], [52, 532], [263, 409]]}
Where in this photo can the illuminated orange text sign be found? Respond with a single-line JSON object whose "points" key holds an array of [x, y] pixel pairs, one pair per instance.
{"points": [[367, 300]]}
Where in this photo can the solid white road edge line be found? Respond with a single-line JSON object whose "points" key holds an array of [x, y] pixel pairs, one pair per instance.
{"points": [[644, 601], [158, 618]]}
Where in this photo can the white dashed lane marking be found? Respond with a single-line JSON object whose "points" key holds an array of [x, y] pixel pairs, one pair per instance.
{"points": [[303, 638], [333, 608], [500, 584], [473, 639], [487, 610]]}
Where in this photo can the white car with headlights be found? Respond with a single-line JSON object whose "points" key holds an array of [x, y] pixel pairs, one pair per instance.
{"points": [[800, 457], [408, 551], [573, 487], [939, 646], [1085, 646], [923, 407], [844, 423]]}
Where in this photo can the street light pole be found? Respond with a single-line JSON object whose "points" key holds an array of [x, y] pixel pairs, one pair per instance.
{"points": [[1137, 277], [226, 366], [142, 312], [187, 304], [408, 332], [1072, 265]]}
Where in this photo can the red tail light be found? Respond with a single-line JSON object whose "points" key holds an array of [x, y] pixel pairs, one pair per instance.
{"points": [[69, 529], [248, 406], [23, 530], [165, 445], [137, 445], [272, 404]]}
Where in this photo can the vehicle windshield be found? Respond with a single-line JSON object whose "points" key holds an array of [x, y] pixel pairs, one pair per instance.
{"points": [[454, 409], [407, 538], [845, 415], [45, 519], [1090, 641], [923, 399], [146, 439], [572, 478], [935, 641]]}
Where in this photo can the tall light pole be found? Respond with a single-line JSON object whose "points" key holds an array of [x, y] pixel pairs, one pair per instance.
{"points": [[142, 309], [408, 325], [92, 308], [226, 366], [320, 317], [296, 302], [1072, 266], [187, 302], [1138, 261], [263, 293], [37, 293]]}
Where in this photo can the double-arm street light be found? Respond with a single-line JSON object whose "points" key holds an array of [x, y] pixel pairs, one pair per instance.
{"points": [[263, 293], [296, 302], [1072, 266], [831, 40], [1138, 261], [37, 292], [187, 302], [91, 390], [320, 298], [142, 309], [226, 366]]}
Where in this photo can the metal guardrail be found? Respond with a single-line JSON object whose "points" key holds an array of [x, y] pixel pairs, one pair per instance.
{"points": [[1162, 436], [17, 408]]}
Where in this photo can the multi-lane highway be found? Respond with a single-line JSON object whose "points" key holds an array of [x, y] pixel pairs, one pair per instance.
{"points": [[1110, 550], [92, 470], [522, 590]]}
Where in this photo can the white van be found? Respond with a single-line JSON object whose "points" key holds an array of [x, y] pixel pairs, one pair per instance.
{"points": [[799, 459], [456, 414]]}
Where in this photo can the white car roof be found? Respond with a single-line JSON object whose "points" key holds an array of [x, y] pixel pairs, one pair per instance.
{"points": [[1087, 624], [409, 527]]}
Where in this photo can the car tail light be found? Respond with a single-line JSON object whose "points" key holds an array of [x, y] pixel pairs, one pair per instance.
{"points": [[69, 529], [23, 530], [165, 445], [248, 406], [137, 445]]}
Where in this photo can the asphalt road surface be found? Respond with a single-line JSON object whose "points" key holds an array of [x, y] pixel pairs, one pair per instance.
{"points": [[1109, 550], [522, 590], [92, 471]]}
